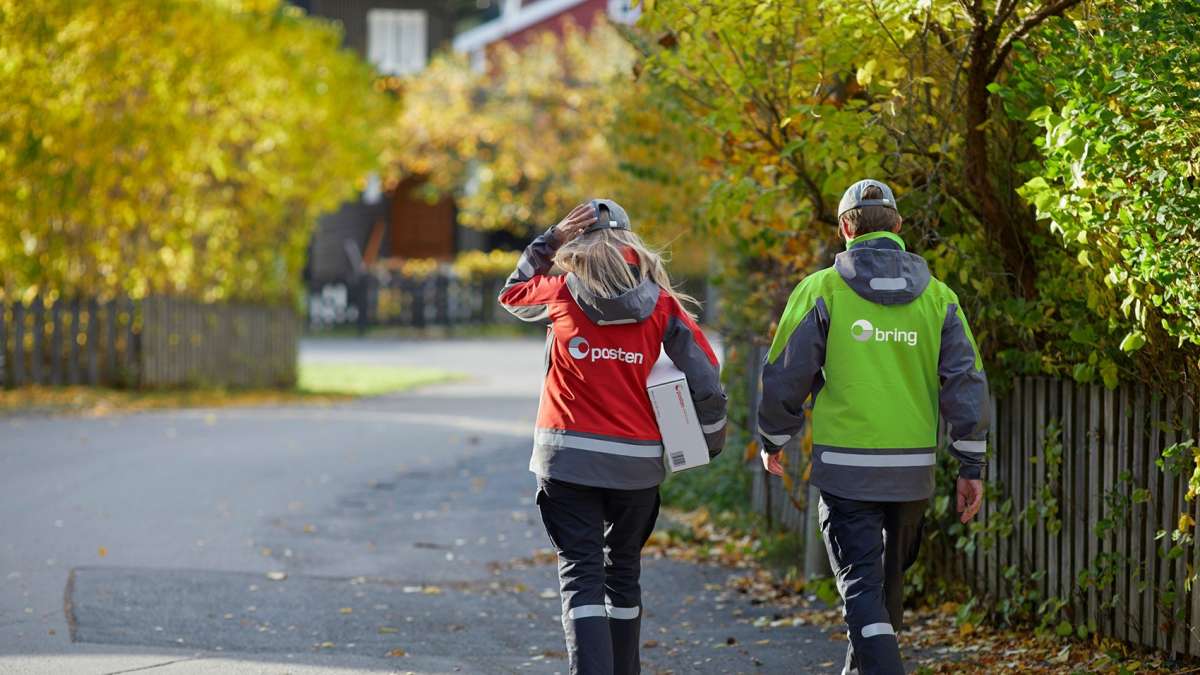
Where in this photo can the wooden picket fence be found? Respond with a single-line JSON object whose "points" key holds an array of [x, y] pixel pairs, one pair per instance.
{"points": [[1085, 460], [187, 343], [68, 342], [1105, 453], [157, 342]]}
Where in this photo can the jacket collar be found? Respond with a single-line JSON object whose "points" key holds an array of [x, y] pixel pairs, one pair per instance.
{"points": [[878, 269], [633, 306], [879, 240]]}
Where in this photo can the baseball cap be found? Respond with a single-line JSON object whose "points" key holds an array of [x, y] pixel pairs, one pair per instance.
{"points": [[617, 218], [853, 197]]}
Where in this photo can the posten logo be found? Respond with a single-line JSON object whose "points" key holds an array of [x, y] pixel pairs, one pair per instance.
{"points": [[579, 348], [863, 331]]}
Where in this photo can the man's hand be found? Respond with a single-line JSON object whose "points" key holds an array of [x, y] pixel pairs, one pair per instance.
{"points": [[771, 462], [579, 219], [970, 498]]}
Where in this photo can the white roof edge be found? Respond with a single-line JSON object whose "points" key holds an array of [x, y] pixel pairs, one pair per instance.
{"points": [[503, 26]]}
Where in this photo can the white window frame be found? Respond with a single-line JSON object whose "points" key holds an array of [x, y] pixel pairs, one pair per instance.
{"points": [[398, 40]]}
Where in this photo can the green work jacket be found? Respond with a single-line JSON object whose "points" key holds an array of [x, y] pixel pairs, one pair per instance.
{"points": [[883, 348]]}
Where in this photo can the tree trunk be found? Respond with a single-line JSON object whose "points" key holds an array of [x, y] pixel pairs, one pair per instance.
{"points": [[1010, 230]]}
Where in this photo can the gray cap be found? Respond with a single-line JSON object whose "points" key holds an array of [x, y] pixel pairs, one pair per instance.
{"points": [[617, 218], [853, 199]]}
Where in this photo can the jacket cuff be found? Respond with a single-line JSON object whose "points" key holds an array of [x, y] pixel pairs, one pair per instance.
{"points": [[772, 443], [768, 447], [550, 238], [715, 442], [970, 471]]}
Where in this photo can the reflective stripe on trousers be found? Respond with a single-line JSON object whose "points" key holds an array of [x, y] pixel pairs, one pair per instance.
{"points": [[601, 595], [605, 610], [870, 545]]}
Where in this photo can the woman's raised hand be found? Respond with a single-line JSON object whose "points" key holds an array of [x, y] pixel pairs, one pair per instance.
{"points": [[579, 219]]}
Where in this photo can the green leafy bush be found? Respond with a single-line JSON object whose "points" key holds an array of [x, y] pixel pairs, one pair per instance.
{"points": [[1115, 99]]}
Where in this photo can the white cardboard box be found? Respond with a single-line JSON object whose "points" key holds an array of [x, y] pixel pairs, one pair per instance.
{"points": [[672, 401]]}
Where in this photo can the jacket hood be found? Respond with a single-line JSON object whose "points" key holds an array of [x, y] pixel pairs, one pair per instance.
{"points": [[878, 268], [633, 306]]}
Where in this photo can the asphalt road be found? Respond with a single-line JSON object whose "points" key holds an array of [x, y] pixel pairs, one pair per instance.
{"points": [[404, 525]]}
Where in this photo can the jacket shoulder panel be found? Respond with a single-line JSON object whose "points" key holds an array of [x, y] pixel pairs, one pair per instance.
{"points": [[818, 285], [941, 292]]}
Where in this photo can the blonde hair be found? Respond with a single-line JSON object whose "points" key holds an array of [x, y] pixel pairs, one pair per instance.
{"points": [[597, 260]]}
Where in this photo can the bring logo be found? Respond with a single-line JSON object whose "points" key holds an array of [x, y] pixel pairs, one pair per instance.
{"points": [[864, 331]]}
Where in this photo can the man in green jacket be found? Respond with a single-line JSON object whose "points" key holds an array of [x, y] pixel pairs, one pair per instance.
{"points": [[882, 347]]}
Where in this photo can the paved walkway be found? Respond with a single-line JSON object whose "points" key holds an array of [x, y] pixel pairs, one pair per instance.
{"points": [[404, 525]]}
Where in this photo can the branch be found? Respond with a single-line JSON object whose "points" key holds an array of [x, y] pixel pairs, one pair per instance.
{"points": [[974, 9], [814, 191], [1052, 8], [764, 101], [943, 37], [879, 20], [1004, 10]]}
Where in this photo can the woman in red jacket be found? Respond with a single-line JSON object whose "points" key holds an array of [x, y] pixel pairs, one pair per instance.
{"points": [[597, 451]]}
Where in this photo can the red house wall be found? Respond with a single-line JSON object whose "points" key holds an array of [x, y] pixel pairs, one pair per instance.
{"points": [[583, 15]]}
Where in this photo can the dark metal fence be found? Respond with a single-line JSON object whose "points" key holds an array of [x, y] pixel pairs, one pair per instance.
{"points": [[152, 343], [440, 299]]}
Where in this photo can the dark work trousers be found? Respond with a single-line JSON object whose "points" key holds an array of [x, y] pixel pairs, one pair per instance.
{"points": [[870, 545], [598, 534]]}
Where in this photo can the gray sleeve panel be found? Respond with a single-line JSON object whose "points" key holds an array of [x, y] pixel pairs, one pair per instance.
{"points": [[703, 377], [536, 259], [795, 374], [529, 312], [963, 398]]}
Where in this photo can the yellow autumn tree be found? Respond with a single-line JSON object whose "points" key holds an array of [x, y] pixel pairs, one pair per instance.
{"points": [[543, 128], [174, 146]]}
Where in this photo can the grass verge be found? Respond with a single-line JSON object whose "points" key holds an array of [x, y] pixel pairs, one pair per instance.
{"points": [[319, 384], [363, 379], [465, 332]]}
